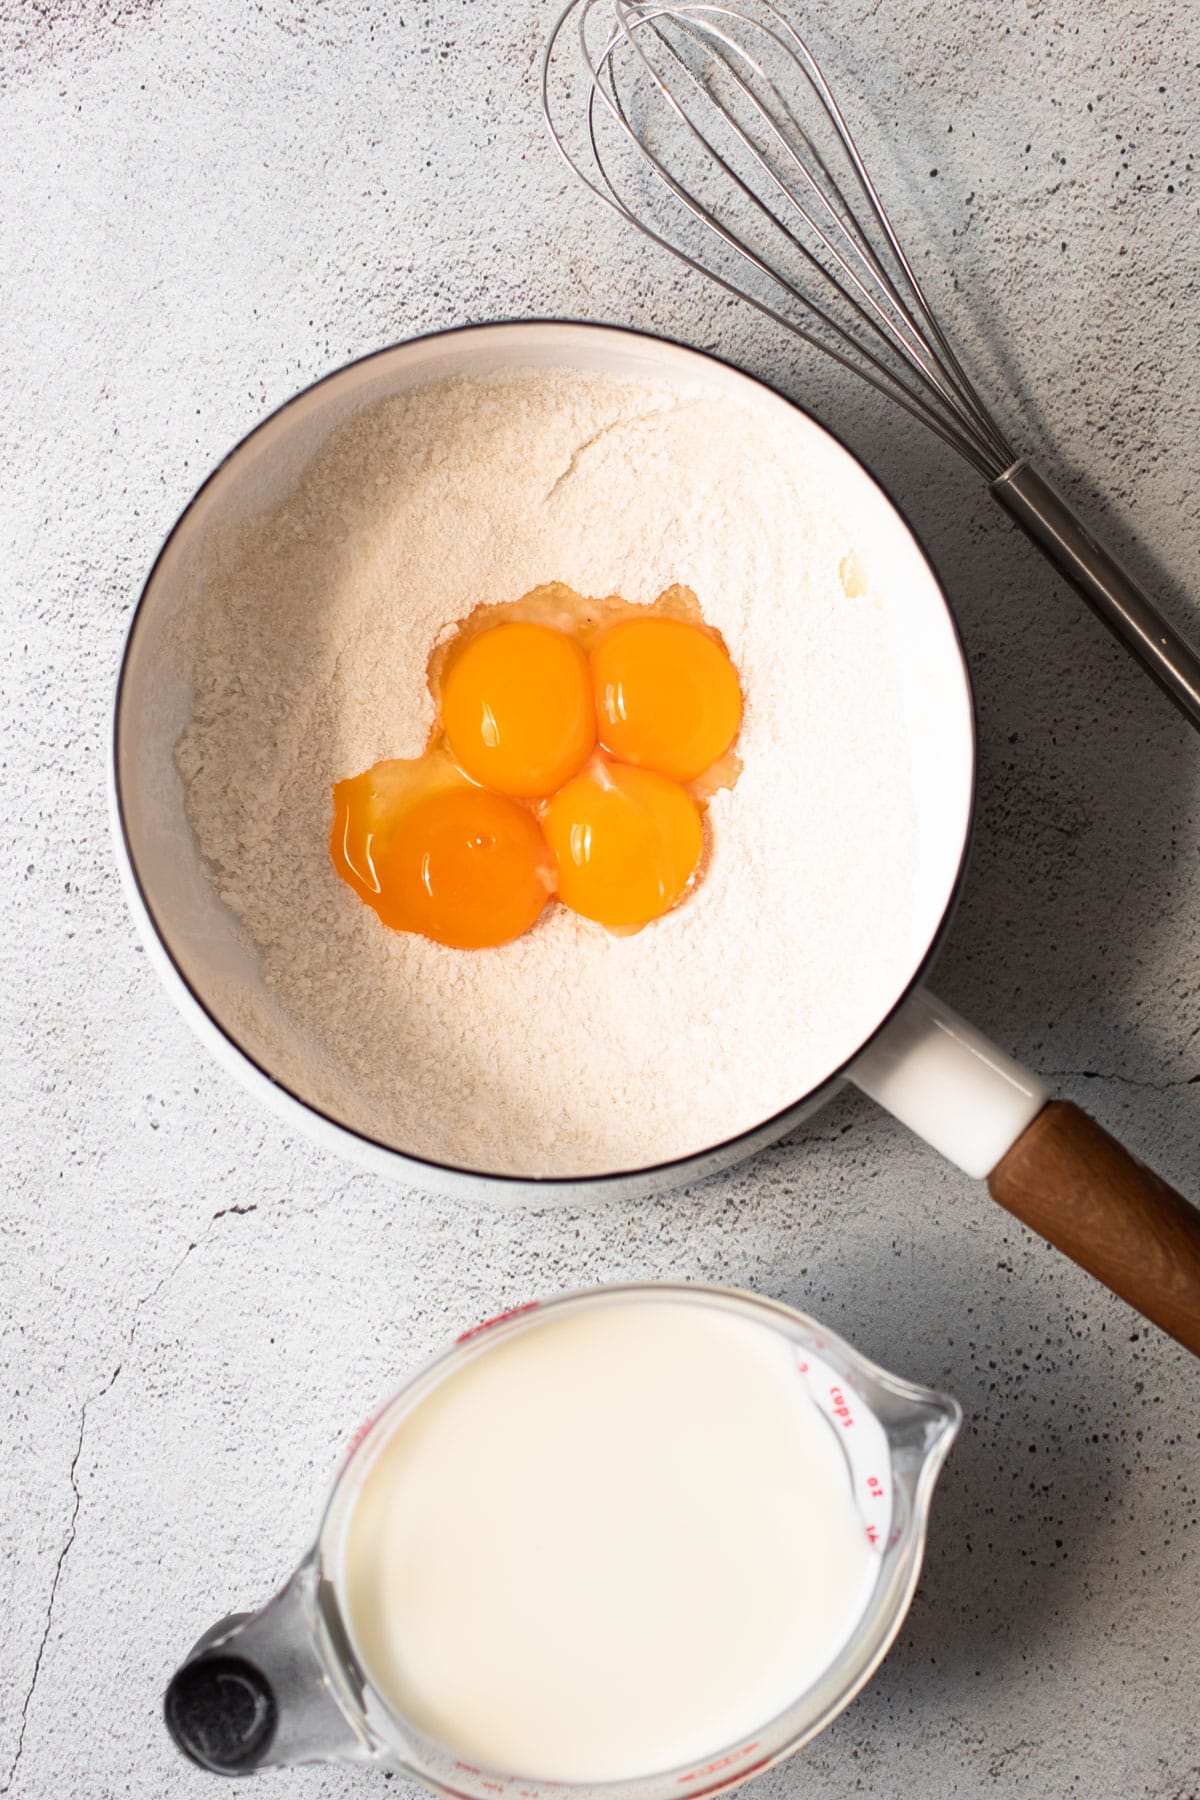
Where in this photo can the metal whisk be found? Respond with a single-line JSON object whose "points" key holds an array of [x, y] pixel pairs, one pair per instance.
{"points": [[712, 129]]}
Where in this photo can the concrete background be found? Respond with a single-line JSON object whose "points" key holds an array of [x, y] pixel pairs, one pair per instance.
{"points": [[205, 206]]}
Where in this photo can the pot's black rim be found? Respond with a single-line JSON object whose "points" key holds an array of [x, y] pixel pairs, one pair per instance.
{"points": [[725, 1152]]}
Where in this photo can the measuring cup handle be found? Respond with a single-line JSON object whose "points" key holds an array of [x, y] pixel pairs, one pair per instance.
{"points": [[258, 1690], [1072, 1183]]}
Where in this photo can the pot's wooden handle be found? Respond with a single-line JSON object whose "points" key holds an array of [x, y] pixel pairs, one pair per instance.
{"points": [[1072, 1183]]}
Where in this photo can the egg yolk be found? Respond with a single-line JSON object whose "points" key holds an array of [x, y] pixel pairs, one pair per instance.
{"points": [[626, 842], [517, 709], [667, 696], [461, 866]]}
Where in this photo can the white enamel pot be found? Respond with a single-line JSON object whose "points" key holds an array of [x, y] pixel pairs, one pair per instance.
{"points": [[1044, 1160]]}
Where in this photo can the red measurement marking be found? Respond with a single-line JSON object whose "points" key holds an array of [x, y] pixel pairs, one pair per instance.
{"points": [[722, 1762], [875, 1488], [499, 1319], [840, 1408], [872, 1534], [803, 1367], [467, 1769], [359, 1435], [733, 1780]]}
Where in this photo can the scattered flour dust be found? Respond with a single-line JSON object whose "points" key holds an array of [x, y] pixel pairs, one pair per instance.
{"points": [[569, 1051]]}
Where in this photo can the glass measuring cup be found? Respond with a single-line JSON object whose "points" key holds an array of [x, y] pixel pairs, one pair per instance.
{"points": [[286, 1685]]}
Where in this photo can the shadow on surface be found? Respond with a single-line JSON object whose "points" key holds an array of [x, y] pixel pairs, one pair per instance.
{"points": [[1009, 1564]]}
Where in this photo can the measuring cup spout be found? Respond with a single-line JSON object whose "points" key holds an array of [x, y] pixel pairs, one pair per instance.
{"points": [[921, 1425], [258, 1692]]}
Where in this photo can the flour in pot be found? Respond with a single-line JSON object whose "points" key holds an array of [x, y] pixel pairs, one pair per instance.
{"points": [[568, 1051]]}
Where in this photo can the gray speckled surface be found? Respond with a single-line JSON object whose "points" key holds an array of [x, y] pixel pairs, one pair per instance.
{"points": [[205, 207]]}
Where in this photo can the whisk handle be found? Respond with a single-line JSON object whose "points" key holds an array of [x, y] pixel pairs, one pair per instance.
{"points": [[1113, 594]]}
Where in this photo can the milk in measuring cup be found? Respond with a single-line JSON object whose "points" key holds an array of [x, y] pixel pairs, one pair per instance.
{"points": [[614, 1543]]}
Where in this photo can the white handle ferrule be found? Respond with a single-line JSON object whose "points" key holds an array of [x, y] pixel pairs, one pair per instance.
{"points": [[950, 1084]]}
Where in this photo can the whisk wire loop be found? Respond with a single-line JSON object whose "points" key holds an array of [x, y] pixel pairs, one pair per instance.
{"points": [[725, 232], [709, 126], [873, 318], [889, 319]]}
